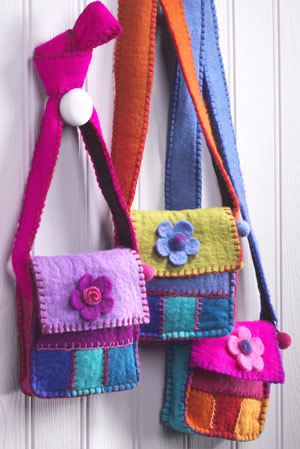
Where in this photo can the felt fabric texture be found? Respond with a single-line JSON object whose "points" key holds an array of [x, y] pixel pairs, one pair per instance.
{"points": [[213, 355], [179, 314], [218, 384], [182, 317], [216, 97], [82, 372], [216, 230], [236, 409], [200, 414], [177, 372], [123, 366], [56, 278], [135, 51], [127, 131], [62, 64], [183, 180], [89, 368], [251, 419], [206, 284], [99, 338], [231, 417]]}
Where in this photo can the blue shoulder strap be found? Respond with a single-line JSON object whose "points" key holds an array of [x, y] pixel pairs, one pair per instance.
{"points": [[183, 163]]}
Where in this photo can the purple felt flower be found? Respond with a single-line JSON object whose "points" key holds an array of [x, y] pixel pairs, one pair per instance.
{"points": [[176, 241], [92, 297]]}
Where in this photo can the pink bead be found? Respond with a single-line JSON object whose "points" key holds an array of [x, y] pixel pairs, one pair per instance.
{"points": [[284, 340], [148, 272]]}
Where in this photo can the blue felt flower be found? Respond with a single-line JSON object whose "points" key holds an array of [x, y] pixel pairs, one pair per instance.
{"points": [[176, 241]]}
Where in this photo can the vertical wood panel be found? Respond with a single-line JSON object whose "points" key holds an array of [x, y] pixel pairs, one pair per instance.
{"points": [[290, 170], [255, 105], [12, 150], [58, 423]]}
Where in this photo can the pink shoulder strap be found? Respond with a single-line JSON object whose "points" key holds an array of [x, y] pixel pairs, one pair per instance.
{"points": [[62, 64]]}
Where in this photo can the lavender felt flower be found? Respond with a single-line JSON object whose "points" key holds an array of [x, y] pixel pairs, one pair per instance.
{"points": [[92, 297], [176, 241]]}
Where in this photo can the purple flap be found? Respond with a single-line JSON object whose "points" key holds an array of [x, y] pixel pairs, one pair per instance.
{"points": [[98, 290], [250, 352]]}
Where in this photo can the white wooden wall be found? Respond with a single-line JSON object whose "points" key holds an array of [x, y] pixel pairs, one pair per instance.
{"points": [[260, 43]]}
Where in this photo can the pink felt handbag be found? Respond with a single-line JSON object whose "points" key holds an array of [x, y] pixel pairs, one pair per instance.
{"points": [[78, 315]]}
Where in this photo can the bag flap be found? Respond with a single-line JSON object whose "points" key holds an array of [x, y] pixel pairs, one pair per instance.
{"points": [[104, 289], [188, 242], [250, 352]]}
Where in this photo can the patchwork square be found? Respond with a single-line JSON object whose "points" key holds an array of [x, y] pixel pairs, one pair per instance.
{"points": [[51, 372], [89, 368], [67, 373], [179, 314], [216, 314], [155, 303], [122, 366]]}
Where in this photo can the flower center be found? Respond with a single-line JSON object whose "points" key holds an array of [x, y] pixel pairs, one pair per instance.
{"points": [[177, 241], [245, 347], [92, 296]]}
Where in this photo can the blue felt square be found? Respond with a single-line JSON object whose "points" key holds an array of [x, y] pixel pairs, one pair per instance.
{"points": [[122, 365], [180, 313], [155, 308], [216, 313], [51, 371]]}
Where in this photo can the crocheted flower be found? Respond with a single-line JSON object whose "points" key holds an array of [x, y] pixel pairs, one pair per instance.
{"points": [[92, 297], [176, 241], [246, 349]]}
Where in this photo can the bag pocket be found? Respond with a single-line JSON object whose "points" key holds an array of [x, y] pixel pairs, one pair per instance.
{"points": [[220, 387], [87, 312], [195, 255]]}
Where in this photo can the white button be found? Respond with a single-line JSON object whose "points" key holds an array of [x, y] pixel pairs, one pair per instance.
{"points": [[76, 107]]}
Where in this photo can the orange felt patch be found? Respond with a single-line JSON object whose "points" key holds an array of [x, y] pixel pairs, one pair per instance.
{"points": [[199, 410]]}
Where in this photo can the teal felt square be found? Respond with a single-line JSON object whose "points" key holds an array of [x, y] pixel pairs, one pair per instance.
{"points": [[179, 313], [89, 368], [122, 366]]}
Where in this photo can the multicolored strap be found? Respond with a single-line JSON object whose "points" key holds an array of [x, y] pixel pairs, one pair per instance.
{"points": [[140, 93], [182, 124], [62, 64]]}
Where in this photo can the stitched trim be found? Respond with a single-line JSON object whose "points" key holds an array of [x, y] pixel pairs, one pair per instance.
{"points": [[230, 435], [70, 346], [279, 374], [144, 335], [143, 289], [169, 386], [97, 324], [86, 391], [129, 195], [173, 291], [199, 304], [236, 242]]}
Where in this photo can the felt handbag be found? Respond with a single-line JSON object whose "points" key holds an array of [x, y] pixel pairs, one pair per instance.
{"points": [[78, 315], [195, 254], [221, 387]]}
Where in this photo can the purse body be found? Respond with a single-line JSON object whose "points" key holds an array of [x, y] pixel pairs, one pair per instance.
{"points": [[210, 392], [195, 299], [82, 344]]}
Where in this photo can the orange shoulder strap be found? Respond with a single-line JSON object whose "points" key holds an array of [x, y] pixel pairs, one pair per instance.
{"points": [[134, 74]]}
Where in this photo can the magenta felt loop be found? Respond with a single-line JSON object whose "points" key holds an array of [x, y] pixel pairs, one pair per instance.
{"points": [[62, 64]]}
